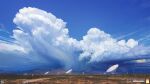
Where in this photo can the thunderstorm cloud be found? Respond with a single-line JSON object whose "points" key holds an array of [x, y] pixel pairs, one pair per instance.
{"points": [[42, 39]]}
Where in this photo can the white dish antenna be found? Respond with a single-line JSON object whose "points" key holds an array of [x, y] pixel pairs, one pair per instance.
{"points": [[69, 71], [46, 73], [112, 68]]}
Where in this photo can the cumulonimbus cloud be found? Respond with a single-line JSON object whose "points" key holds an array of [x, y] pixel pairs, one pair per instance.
{"points": [[42, 38]]}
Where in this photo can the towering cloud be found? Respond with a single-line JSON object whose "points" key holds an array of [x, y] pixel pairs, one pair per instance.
{"points": [[43, 39], [100, 46]]}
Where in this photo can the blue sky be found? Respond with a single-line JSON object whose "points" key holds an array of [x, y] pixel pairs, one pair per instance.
{"points": [[98, 34], [117, 17]]}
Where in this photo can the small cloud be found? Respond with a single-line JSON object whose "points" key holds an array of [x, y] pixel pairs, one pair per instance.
{"points": [[141, 61], [148, 18], [145, 3], [2, 26]]}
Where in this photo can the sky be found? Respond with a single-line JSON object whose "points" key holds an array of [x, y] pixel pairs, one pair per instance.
{"points": [[117, 17], [88, 36]]}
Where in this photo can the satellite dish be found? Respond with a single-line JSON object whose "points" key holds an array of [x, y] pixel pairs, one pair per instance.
{"points": [[69, 71], [46, 73], [113, 68]]}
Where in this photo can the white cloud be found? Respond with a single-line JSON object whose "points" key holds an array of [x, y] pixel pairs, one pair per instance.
{"points": [[141, 61], [42, 33], [98, 46], [11, 48], [41, 36]]}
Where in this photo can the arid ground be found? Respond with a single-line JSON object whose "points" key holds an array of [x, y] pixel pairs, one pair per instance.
{"points": [[74, 79]]}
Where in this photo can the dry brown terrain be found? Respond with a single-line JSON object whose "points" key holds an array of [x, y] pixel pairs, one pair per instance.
{"points": [[74, 79]]}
